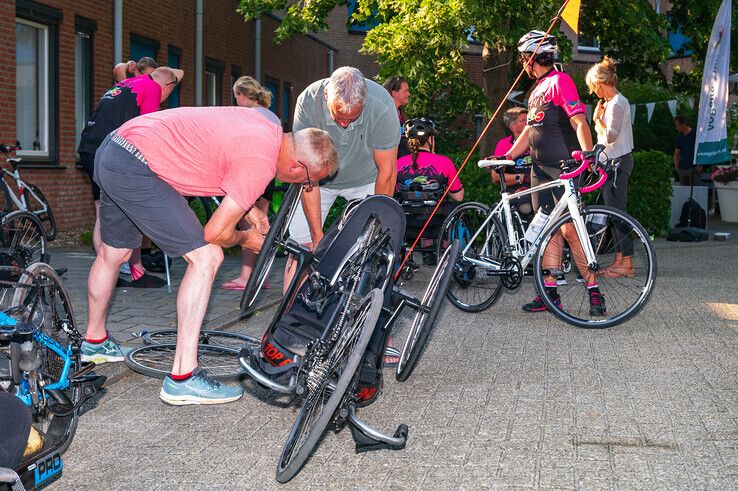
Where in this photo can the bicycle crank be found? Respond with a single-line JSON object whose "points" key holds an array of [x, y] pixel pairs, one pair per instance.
{"points": [[513, 273]]}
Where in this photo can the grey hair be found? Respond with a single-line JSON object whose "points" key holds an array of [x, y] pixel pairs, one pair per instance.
{"points": [[315, 149], [512, 114], [346, 89]]}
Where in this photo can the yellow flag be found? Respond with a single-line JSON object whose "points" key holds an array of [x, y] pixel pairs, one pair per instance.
{"points": [[570, 15]]}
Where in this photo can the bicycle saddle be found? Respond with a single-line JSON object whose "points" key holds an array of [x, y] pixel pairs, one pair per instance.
{"points": [[495, 164]]}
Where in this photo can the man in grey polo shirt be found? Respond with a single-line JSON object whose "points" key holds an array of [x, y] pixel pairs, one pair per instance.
{"points": [[361, 119]]}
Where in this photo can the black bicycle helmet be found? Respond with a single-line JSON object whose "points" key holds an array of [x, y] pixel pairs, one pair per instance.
{"points": [[548, 49], [419, 128]]}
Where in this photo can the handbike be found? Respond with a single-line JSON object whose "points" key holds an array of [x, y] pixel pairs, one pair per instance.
{"points": [[495, 252], [40, 364], [327, 340]]}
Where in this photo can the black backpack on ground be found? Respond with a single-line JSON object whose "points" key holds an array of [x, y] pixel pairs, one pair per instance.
{"points": [[692, 215]]}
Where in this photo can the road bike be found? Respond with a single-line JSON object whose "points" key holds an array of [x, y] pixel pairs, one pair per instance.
{"points": [[496, 253], [29, 197]]}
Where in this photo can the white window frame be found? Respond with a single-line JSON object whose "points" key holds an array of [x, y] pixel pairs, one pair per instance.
{"points": [[584, 48], [211, 88], [81, 100], [43, 105]]}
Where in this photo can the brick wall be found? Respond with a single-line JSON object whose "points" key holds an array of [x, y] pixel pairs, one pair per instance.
{"points": [[226, 39]]}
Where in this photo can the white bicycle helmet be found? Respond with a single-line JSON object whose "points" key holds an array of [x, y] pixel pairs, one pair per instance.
{"points": [[546, 52]]}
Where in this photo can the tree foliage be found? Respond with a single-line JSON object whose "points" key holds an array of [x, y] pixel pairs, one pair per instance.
{"points": [[695, 21], [425, 41]]}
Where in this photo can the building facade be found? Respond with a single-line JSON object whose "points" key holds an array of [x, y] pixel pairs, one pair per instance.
{"points": [[60, 58]]}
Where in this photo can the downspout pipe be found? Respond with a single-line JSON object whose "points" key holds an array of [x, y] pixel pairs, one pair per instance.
{"points": [[117, 31], [198, 52], [257, 49]]}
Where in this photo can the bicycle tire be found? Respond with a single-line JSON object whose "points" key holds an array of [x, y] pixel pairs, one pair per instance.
{"points": [[356, 340], [23, 237], [265, 259], [207, 337], [624, 297], [60, 429], [36, 207], [155, 360], [423, 322], [466, 275]]}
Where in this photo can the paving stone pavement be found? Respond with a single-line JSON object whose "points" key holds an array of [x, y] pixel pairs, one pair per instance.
{"points": [[501, 399]]}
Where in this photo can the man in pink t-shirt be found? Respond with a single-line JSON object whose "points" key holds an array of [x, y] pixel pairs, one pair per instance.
{"points": [[146, 167]]}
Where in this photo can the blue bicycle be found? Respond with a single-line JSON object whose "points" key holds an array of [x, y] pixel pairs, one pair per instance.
{"points": [[40, 364]]}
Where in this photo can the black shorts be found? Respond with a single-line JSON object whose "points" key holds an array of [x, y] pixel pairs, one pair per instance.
{"points": [[88, 164], [135, 201], [549, 197], [269, 191]]}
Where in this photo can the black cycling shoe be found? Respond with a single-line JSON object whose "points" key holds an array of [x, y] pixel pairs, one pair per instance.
{"points": [[537, 304], [154, 261], [148, 281], [597, 303]]}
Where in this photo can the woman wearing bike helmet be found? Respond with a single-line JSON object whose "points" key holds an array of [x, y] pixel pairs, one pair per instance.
{"points": [[557, 125], [423, 161]]}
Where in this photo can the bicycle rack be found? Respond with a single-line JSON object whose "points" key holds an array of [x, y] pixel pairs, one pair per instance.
{"points": [[368, 439], [244, 358]]}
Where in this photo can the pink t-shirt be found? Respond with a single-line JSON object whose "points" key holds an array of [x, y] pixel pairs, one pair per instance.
{"points": [[430, 163], [209, 151], [148, 92], [503, 146]]}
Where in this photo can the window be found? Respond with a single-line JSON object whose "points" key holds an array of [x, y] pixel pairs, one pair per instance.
{"points": [[83, 95], [174, 58], [273, 87], [235, 75], [588, 44], [359, 27], [36, 71], [213, 82], [286, 104], [143, 46]]}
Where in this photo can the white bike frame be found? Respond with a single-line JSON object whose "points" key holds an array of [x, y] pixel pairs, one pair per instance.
{"points": [[20, 201], [569, 201]]}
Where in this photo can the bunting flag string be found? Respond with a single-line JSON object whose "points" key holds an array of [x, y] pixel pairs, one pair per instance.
{"points": [[650, 106]]}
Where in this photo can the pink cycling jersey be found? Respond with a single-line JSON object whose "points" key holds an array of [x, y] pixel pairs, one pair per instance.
{"points": [[553, 101], [430, 164]]}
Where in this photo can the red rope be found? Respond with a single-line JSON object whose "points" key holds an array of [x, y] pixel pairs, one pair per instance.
{"points": [[476, 144]]}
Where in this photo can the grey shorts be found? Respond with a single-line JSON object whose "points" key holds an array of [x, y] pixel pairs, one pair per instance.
{"points": [[135, 201]]}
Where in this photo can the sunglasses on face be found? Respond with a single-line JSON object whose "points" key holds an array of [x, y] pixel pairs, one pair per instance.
{"points": [[173, 83]]}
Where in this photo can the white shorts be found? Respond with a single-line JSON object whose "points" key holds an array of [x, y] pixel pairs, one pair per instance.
{"points": [[299, 231]]}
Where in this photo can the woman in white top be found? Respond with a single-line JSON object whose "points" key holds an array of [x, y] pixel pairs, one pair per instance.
{"points": [[614, 130], [250, 93]]}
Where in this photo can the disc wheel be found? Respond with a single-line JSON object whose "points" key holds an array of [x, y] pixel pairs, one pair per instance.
{"points": [[41, 299], [40, 207], [425, 317], [272, 242], [608, 230], [156, 361], [327, 385], [210, 338], [473, 288]]}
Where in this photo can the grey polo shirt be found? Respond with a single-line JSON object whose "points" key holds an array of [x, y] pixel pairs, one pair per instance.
{"points": [[376, 129]]}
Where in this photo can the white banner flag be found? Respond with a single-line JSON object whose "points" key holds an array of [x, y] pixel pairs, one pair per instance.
{"points": [[632, 113], [712, 137], [672, 107], [649, 110]]}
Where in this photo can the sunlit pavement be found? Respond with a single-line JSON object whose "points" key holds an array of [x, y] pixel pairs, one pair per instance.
{"points": [[500, 399]]}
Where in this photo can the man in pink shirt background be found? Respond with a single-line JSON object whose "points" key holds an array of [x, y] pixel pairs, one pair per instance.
{"points": [[146, 167]]}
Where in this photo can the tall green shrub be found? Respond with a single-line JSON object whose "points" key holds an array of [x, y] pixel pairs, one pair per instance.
{"points": [[649, 190]]}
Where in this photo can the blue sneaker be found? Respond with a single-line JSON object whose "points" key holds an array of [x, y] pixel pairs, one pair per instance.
{"points": [[198, 389], [106, 352]]}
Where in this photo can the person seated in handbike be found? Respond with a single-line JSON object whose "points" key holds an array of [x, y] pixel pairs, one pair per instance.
{"points": [[422, 178]]}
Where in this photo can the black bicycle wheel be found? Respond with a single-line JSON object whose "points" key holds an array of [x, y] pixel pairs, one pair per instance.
{"points": [[23, 237], [272, 242], [39, 206], [425, 317], [43, 300], [210, 338], [474, 286], [156, 361], [327, 385], [624, 296]]}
